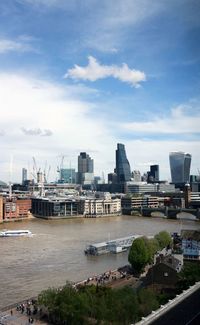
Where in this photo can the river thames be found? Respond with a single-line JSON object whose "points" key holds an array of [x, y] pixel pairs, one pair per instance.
{"points": [[55, 252]]}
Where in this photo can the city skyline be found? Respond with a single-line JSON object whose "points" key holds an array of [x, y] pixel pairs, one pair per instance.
{"points": [[78, 77]]}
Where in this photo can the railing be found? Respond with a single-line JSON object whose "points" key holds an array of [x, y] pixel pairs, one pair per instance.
{"points": [[12, 306], [171, 303]]}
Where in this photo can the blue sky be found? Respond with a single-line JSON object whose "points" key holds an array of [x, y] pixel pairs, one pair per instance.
{"points": [[84, 75]]}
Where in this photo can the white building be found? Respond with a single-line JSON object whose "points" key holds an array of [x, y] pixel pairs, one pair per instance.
{"points": [[99, 207]]}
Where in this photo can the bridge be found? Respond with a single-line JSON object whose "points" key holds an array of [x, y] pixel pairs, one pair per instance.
{"points": [[168, 212]]}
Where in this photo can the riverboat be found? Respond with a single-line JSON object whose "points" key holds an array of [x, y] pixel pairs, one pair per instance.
{"points": [[15, 233]]}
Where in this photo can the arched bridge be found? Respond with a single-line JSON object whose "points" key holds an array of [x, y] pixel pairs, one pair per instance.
{"points": [[168, 212]]}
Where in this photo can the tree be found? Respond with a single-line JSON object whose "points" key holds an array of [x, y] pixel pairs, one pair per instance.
{"points": [[148, 301], [164, 239], [138, 255], [152, 246]]}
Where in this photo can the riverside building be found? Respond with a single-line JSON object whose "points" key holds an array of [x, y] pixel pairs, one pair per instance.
{"points": [[14, 208], [54, 207], [100, 207], [139, 201]]}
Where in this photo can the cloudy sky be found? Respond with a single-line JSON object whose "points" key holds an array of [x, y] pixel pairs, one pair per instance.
{"points": [[84, 75]]}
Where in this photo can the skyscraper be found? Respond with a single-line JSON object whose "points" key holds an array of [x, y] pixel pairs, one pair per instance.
{"points": [[24, 175], [180, 167], [85, 169], [123, 170], [153, 175], [68, 175]]}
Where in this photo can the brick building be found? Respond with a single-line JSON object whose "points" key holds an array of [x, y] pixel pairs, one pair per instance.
{"points": [[16, 208], [1, 209]]}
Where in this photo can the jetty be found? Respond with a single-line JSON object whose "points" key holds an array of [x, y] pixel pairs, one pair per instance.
{"points": [[111, 246]]}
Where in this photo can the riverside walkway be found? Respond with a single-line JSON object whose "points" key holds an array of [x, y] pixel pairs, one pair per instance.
{"points": [[17, 318], [22, 313]]}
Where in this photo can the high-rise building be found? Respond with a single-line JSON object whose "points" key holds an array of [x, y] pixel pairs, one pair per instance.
{"points": [[67, 175], [123, 170], [112, 178], [180, 167], [85, 169], [24, 175], [153, 175], [136, 175]]}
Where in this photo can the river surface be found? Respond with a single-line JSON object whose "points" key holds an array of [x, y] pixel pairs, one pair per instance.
{"points": [[55, 253]]}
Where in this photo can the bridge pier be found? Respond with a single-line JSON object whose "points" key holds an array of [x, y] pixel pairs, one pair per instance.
{"points": [[198, 213]]}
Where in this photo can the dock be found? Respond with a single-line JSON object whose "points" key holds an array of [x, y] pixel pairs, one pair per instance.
{"points": [[115, 246]]}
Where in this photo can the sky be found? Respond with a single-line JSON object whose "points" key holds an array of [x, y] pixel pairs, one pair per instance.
{"points": [[85, 75]]}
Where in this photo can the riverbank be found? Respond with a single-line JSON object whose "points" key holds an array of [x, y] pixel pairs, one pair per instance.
{"points": [[27, 312]]}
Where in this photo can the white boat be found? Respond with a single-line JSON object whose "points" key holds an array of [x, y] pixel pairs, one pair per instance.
{"points": [[15, 233]]}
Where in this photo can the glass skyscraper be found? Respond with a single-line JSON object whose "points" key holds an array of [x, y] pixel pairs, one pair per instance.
{"points": [[180, 167], [123, 170], [153, 175], [85, 169], [68, 175]]}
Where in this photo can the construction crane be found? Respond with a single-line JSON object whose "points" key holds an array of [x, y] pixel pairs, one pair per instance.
{"points": [[60, 167], [39, 176]]}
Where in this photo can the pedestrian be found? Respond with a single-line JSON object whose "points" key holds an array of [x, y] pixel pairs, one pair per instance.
{"points": [[11, 312]]}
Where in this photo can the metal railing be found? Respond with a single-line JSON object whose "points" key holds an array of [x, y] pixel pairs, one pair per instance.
{"points": [[171, 303]]}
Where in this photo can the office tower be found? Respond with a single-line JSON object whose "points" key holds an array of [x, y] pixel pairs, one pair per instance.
{"points": [[180, 167], [153, 175], [85, 169], [123, 170], [136, 175], [24, 175], [112, 178], [67, 175]]}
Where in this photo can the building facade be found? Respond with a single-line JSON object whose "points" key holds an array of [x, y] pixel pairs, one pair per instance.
{"points": [[1, 209], [123, 170], [24, 175], [139, 201], [51, 208], [153, 174], [139, 187], [180, 167], [16, 208], [100, 207], [67, 175], [85, 174]]}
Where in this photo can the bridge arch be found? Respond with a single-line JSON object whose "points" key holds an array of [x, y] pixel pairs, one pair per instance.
{"points": [[186, 216]]}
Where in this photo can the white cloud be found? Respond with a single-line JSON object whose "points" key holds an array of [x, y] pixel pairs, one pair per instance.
{"points": [[22, 44], [178, 122], [36, 104], [94, 71], [36, 132], [42, 108]]}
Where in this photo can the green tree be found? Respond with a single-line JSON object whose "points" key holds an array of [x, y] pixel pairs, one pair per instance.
{"points": [[152, 246], [189, 274], [164, 239], [148, 301], [138, 254]]}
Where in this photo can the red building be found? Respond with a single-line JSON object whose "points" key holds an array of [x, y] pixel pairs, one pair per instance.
{"points": [[1, 209], [16, 208]]}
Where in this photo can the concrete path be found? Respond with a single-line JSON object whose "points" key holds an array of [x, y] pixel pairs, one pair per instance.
{"points": [[17, 318]]}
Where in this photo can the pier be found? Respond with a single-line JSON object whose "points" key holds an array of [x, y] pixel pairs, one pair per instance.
{"points": [[111, 246]]}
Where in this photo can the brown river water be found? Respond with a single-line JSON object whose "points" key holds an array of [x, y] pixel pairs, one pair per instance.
{"points": [[55, 253]]}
